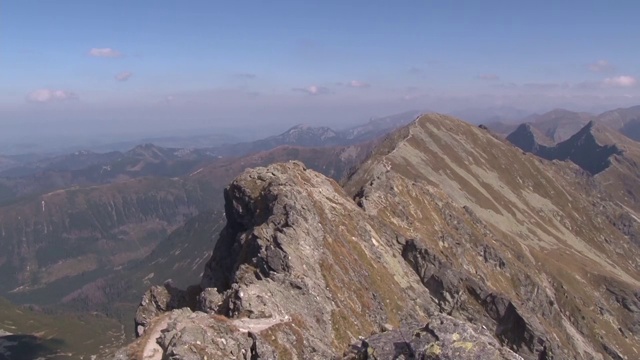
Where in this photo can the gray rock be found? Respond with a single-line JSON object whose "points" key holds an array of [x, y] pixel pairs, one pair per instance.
{"points": [[159, 299], [210, 300], [442, 338]]}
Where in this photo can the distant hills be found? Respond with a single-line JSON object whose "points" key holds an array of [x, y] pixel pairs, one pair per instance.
{"points": [[25, 176], [586, 148], [309, 136], [626, 120], [30, 333], [560, 124]]}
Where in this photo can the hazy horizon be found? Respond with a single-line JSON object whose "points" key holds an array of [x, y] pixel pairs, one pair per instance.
{"points": [[154, 68]]}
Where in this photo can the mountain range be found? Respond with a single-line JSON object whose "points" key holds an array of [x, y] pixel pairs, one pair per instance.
{"points": [[447, 242], [309, 136], [438, 235], [559, 124]]}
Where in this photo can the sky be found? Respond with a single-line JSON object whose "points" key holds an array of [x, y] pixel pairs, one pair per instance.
{"points": [[85, 68]]}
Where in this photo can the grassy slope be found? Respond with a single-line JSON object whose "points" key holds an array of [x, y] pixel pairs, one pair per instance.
{"points": [[36, 334]]}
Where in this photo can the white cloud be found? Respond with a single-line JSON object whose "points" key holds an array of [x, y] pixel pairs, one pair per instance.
{"points": [[601, 66], [358, 84], [124, 76], [488, 77], [50, 95], [620, 81], [105, 52], [314, 90]]}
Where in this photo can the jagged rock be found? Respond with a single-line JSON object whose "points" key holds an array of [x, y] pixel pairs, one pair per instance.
{"points": [[453, 290], [442, 338], [444, 224], [160, 299], [196, 336], [210, 300], [630, 302], [155, 301]]}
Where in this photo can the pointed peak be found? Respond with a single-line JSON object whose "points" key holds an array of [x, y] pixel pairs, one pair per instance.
{"points": [[301, 126], [439, 118]]}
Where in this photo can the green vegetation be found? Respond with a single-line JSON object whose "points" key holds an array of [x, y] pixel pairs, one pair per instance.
{"points": [[62, 336]]}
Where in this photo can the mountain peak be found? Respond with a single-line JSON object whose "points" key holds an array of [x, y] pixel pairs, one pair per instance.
{"points": [[439, 121], [302, 126], [590, 147], [528, 138], [444, 226]]}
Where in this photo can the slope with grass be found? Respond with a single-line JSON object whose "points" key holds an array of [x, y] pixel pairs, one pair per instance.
{"points": [[444, 226]]}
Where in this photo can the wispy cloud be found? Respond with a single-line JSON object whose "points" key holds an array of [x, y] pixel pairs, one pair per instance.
{"points": [[601, 66], [547, 86], [358, 84], [489, 77], [105, 52], [620, 81], [314, 90], [247, 76], [50, 95], [124, 76], [415, 70]]}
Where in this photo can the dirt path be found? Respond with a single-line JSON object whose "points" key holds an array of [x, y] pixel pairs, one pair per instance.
{"points": [[151, 349], [257, 325]]}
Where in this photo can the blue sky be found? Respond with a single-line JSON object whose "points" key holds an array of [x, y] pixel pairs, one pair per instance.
{"points": [[100, 66]]}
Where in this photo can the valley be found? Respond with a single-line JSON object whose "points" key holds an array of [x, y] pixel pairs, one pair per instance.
{"points": [[89, 232]]}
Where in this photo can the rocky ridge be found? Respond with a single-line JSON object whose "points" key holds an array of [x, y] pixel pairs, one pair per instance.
{"points": [[612, 158], [432, 239]]}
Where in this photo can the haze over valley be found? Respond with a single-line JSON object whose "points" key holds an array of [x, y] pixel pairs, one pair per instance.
{"points": [[336, 180]]}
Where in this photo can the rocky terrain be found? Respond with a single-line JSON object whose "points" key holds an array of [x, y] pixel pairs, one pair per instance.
{"points": [[95, 249], [446, 243]]}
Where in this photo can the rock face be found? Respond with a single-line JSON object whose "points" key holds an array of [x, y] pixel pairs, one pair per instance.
{"points": [[442, 338], [464, 245]]}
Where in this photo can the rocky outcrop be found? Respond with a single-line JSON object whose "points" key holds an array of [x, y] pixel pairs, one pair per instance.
{"points": [[160, 299], [442, 338], [467, 247]]}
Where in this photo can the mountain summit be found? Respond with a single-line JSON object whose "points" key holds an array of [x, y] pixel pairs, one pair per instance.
{"points": [[446, 243]]}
